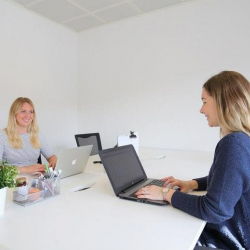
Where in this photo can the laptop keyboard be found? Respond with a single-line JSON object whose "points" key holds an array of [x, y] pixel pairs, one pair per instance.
{"points": [[158, 183]]}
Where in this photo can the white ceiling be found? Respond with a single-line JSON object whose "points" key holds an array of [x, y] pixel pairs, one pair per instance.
{"points": [[80, 15]]}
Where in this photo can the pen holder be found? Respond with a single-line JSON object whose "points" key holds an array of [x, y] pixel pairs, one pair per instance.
{"points": [[39, 190], [51, 187]]}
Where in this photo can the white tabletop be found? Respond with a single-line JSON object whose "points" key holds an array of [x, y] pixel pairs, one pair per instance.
{"points": [[96, 219]]}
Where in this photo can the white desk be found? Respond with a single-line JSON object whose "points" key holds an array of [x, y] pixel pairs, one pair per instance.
{"points": [[95, 219]]}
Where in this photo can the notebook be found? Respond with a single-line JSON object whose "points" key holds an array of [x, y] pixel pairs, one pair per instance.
{"points": [[126, 173], [73, 160]]}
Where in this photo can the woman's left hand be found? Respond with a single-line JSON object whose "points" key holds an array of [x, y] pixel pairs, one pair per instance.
{"points": [[52, 161], [150, 192]]}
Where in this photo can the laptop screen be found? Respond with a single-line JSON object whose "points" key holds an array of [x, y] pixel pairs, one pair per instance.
{"points": [[73, 160], [123, 167]]}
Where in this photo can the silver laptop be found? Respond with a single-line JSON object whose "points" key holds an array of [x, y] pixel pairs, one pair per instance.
{"points": [[73, 160], [126, 173]]}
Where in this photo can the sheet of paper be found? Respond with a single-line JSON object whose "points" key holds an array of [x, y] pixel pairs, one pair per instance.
{"points": [[126, 140]]}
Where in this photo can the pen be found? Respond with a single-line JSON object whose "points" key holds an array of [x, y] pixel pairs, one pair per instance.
{"points": [[57, 177], [51, 172], [82, 189], [47, 168]]}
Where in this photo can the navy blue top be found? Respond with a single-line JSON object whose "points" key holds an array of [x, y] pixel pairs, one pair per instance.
{"points": [[226, 205]]}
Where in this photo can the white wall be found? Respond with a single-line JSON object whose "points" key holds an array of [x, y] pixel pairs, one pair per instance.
{"points": [[143, 74], [38, 59], [146, 73]]}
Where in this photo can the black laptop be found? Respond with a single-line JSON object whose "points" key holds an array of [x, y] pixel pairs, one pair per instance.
{"points": [[126, 173]]}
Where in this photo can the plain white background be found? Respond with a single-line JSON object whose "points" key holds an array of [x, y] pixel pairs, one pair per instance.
{"points": [[144, 73], [38, 59]]}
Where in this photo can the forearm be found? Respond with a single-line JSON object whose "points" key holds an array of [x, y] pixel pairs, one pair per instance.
{"points": [[31, 169], [192, 184], [52, 161], [24, 170], [201, 184]]}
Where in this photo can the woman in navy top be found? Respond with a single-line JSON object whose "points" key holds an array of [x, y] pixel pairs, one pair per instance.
{"points": [[225, 207]]}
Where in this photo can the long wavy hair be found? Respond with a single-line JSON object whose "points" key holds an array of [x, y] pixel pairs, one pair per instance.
{"points": [[12, 128], [231, 92]]}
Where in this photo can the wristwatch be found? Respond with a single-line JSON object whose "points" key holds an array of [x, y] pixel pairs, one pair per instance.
{"points": [[164, 192]]}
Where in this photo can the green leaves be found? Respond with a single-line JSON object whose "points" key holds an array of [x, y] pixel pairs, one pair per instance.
{"points": [[8, 174]]}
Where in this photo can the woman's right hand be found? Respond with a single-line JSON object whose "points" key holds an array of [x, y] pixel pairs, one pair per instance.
{"points": [[184, 186], [32, 169]]}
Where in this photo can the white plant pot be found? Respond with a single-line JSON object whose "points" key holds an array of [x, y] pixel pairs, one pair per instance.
{"points": [[3, 192]]}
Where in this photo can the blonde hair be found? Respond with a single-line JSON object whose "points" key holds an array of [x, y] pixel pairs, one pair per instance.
{"points": [[12, 128], [231, 92]]}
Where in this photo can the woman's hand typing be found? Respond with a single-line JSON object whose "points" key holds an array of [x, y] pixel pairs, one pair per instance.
{"points": [[150, 192], [184, 186]]}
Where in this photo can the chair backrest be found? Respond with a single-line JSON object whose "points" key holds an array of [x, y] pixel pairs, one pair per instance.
{"points": [[39, 160], [90, 139]]}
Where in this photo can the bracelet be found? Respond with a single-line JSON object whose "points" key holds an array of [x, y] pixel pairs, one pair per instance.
{"points": [[164, 192]]}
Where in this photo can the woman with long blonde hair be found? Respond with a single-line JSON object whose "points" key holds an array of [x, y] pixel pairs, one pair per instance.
{"points": [[21, 143], [225, 207]]}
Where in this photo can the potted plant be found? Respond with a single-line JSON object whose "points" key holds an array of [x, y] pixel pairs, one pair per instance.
{"points": [[8, 174]]}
